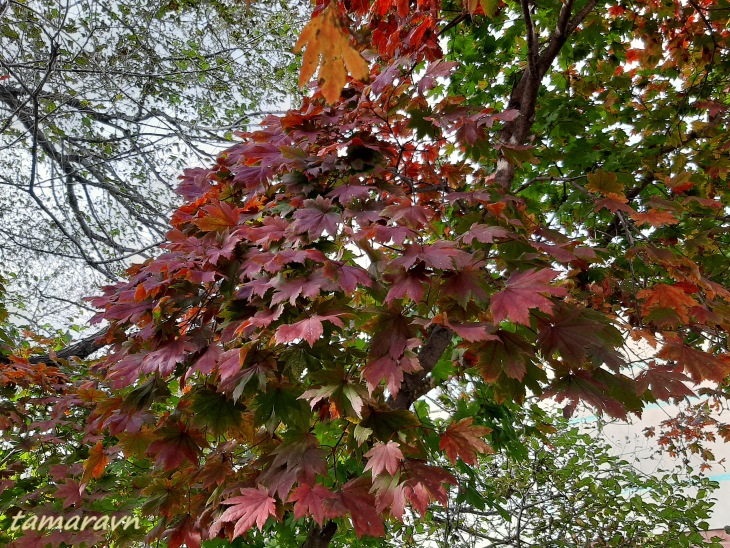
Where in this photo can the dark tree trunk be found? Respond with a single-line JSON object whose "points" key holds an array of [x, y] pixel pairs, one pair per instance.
{"points": [[320, 537]]}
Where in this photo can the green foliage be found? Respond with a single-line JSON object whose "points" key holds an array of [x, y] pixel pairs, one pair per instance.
{"points": [[572, 490]]}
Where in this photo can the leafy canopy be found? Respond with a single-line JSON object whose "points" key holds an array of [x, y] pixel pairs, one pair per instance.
{"points": [[569, 489], [510, 195]]}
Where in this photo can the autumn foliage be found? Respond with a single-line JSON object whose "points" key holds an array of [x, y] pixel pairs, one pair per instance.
{"points": [[433, 213]]}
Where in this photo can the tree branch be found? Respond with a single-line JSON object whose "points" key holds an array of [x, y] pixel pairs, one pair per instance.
{"points": [[417, 384], [320, 537], [524, 95], [81, 349], [532, 44]]}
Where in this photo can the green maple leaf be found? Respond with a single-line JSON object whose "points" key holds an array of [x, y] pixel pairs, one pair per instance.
{"points": [[215, 411]]}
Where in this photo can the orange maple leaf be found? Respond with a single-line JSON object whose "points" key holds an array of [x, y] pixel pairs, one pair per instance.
{"points": [[94, 465], [482, 7], [655, 217], [668, 296], [616, 11], [328, 43], [463, 439], [603, 182]]}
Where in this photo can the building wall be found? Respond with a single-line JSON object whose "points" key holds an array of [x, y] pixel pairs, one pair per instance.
{"points": [[719, 533]]}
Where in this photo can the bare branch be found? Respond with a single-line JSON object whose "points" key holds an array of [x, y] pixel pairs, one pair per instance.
{"points": [[81, 349]]}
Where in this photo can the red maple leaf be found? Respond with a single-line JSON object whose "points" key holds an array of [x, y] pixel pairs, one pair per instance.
{"points": [[207, 361], [390, 335], [298, 460], [485, 234], [87, 537], [254, 506], [311, 501], [309, 329], [411, 284], [194, 183], [700, 365], [581, 386], [251, 176], [231, 361], [464, 440], [506, 353], [391, 369], [316, 217], [272, 230], [290, 289], [466, 284], [425, 484], [70, 493], [216, 470], [384, 234], [442, 255], [264, 318], [474, 332], [437, 69], [413, 216], [347, 277], [578, 334], [165, 358], [665, 381], [523, 291], [384, 456], [348, 192], [175, 444], [185, 534], [390, 495], [220, 246], [356, 499]]}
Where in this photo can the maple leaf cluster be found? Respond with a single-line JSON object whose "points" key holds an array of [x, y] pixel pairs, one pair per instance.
{"points": [[305, 277], [378, 242]]}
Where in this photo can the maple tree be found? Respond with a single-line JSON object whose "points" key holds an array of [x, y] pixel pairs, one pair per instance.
{"points": [[527, 200], [48, 467]]}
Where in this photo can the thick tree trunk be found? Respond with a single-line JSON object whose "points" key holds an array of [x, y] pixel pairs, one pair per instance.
{"points": [[415, 385]]}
